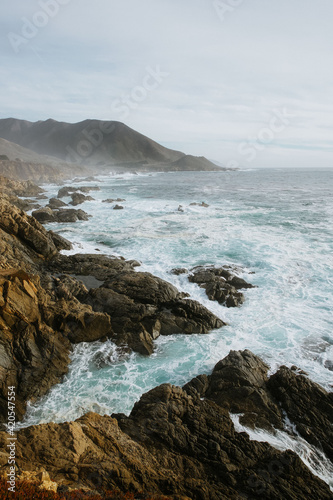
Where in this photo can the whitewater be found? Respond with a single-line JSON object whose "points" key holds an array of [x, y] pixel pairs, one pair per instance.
{"points": [[273, 225]]}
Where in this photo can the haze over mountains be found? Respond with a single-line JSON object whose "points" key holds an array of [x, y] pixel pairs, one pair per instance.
{"points": [[92, 144]]}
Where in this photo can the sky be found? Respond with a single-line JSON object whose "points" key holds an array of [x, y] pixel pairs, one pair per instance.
{"points": [[247, 83]]}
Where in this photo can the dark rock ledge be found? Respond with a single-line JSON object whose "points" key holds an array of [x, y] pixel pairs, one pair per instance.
{"points": [[181, 442]]}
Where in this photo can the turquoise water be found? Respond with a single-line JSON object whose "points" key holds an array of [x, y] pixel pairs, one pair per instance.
{"points": [[275, 225]]}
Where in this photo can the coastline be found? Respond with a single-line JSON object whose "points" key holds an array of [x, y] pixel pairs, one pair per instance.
{"points": [[38, 251]]}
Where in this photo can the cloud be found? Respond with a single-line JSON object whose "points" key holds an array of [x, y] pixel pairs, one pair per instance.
{"points": [[225, 76]]}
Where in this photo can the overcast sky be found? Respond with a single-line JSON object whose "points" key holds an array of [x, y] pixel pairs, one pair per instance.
{"points": [[244, 82]]}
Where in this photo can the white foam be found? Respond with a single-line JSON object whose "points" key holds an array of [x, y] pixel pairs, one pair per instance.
{"points": [[313, 458]]}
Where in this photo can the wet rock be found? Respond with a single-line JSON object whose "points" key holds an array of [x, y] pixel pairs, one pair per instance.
{"points": [[33, 357], [118, 207], [202, 204], [239, 382], [68, 190], [60, 242], [47, 215], [171, 444], [55, 203], [44, 215], [220, 284], [178, 271], [143, 306], [17, 223], [307, 405], [71, 215], [78, 198]]}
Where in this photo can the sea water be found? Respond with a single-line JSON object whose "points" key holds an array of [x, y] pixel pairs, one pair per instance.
{"points": [[273, 225]]}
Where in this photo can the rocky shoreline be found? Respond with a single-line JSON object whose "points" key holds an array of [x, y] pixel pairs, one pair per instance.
{"points": [[177, 442]]}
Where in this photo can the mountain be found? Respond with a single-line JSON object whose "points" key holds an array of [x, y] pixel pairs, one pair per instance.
{"points": [[101, 144], [21, 163]]}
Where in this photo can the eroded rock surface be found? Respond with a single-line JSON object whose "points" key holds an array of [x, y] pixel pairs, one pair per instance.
{"points": [[173, 444]]}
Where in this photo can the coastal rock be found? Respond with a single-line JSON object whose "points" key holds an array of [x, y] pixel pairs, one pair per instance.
{"points": [[307, 405], [55, 203], [143, 305], [78, 198], [118, 207], [68, 190], [46, 215], [19, 188], [239, 382], [33, 357], [60, 242], [71, 215], [171, 444], [112, 200], [17, 223], [220, 284]]}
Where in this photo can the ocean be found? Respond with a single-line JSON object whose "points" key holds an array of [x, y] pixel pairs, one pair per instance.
{"points": [[274, 225]]}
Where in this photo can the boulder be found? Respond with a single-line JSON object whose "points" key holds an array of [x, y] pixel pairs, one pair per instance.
{"points": [[60, 242], [44, 215], [78, 198], [55, 203]]}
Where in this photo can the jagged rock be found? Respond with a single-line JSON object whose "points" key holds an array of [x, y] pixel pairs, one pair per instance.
{"points": [[67, 190], [60, 242], [307, 405], [32, 356], [46, 215], [19, 188], [239, 382], [220, 284], [172, 444], [71, 215], [55, 203], [17, 223], [178, 271], [143, 306], [118, 207], [78, 198]]}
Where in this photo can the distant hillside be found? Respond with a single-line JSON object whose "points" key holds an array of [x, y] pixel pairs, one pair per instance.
{"points": [[95, 143], [17, 162]]}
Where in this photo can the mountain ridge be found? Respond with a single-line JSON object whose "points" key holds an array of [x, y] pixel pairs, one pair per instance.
{"points": [[98, 143]]}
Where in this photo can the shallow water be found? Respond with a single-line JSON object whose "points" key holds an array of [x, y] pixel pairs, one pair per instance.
{"points": [[276, 224]]}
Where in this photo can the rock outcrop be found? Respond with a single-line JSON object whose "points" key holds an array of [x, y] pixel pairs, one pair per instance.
{"points": [[174, 443], [140, 306], [220, 284], [47, 214]]}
